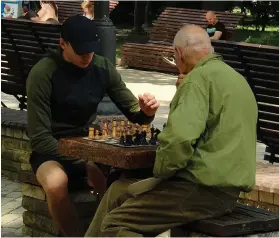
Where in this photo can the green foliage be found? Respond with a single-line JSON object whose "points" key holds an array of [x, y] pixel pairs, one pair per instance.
{"points": [[256, 37], [262, 13]]}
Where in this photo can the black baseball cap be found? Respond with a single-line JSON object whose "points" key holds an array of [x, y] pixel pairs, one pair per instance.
{"points": [[81, 33]]}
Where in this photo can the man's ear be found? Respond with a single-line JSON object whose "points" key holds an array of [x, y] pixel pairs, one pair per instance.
{"points": [[62, 43], [178, 52]]}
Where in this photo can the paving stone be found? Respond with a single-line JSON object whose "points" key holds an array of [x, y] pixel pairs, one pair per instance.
{"points": [[6, 190], [5, 182], [9, 232], [10, 206], [16, 223], [14, 195], [8, 218], [19, 231], [19, 210], [5, 200]]}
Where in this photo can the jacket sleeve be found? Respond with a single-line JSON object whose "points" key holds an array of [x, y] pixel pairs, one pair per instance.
{"points": [[186, 123], [39, 113], [124, 99]]}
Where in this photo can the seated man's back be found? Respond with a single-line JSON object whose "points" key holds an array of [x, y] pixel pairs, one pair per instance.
{"points": [[225, 153]]}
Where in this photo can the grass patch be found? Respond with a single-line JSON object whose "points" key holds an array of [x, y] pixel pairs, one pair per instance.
{"points": [[268, 37]]}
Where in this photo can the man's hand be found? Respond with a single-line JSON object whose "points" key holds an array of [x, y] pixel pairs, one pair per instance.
{"points": [[179, 80], [148, 104]]}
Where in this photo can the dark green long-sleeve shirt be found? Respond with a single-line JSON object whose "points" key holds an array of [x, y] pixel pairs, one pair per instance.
{"points": [[63, 99]]}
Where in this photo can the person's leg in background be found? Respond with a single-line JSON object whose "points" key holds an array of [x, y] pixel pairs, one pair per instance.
{"points": [[171, 204]]}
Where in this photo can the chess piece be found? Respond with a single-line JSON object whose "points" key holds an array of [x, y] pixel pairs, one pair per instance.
{"points": [[143, 140], [144, 128], [152, 140], [114, 125], [122, 139], [137, 139], [164, 125], [157, 132], [97, 136], [105, 132], [122, 123], [91, 133], [129, 138]]}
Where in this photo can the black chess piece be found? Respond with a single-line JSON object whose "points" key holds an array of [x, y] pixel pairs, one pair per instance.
{"points": [[137, 138], [143, 140], [152, 140], [164, 125], [129, 140], [157, 132], [122, 140]]}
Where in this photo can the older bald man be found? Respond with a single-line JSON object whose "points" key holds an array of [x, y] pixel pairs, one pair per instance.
{"points": [[215, 29], [207, 153]]}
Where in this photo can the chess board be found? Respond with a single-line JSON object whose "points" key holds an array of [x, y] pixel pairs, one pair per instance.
{"points": [[122, 133], [115, 142]]}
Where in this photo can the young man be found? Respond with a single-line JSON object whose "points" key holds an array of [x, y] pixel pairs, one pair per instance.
{"points": [[63, 93], [207, 151], [216, 29]]}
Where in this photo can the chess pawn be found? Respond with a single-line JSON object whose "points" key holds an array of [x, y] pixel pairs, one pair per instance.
{"points": [[122, 123], [105, 132], [97, 137], [104, 135], [91, 133], [114, 125]]}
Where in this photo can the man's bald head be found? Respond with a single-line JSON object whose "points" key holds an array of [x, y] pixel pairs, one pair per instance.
{"points": [[211, 17], [192, 43], [193, 38]]}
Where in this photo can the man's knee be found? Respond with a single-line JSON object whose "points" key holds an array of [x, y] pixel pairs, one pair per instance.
{"points": [[53, 179]]}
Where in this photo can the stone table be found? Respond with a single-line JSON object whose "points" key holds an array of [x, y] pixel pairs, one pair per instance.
{"points": [[112, 155]]}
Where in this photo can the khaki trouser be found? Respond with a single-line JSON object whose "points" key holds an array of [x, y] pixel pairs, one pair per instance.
{"points": [[172, 203]]}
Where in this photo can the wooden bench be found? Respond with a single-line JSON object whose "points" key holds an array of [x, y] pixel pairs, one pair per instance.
{"points": [[244, 221], [70, 8], [172, 19], [149, 56], [23, 44]]}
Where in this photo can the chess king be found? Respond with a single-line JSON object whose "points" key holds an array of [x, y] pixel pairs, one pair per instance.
{"points": [[63, 92]]}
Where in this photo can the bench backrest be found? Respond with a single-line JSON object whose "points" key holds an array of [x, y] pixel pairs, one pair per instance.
{"points": [[260, 66], [70, 8], [23, 43], [172, 19]]}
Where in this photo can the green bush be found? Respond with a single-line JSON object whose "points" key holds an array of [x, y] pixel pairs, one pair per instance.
{"points": [[268, 38]]}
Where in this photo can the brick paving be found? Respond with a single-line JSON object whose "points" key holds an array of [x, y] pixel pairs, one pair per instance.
{"points": [[159, 84], [11, 210]]}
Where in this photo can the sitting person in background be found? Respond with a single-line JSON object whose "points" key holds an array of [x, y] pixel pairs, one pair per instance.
{"points": [[48, 10], [207, 151], [216, 29], [88, 9]]}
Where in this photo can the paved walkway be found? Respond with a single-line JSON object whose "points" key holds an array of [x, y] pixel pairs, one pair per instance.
{"points": [[11, 210], [159, 84]]}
